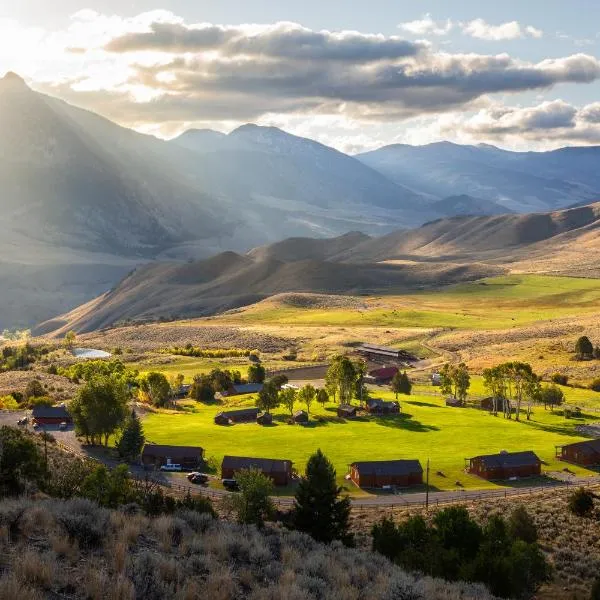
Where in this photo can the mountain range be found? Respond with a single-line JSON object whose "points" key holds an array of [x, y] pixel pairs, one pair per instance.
{"points": [[438, 253], [84, 201]]}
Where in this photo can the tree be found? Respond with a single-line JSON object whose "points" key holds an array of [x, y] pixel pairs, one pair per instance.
{"points": [[318, 510], [340, 379], [268, 397], [99, 408], [551, 395], [253, 503], [401, 384], [595, 385], [595, 595], [34, 389], [322, 397], [175, 383], [581, 502], [306, 396], [20, 461], [584, 348], [130, 444], [287, 397], [202, 389], [521, 525], [108, 488], [560, 379], [361, 393], [455, 380], [256, 373], [279, 380], [221, 380], [69, 340], [156, 387]]}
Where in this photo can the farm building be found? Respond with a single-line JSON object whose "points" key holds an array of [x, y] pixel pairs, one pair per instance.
{"points": [[382, 354], [381, 473], [382, 376], [381, 407], [301, 416], [505, 465], [265, 419], [454, 402], [157, 455], [242, 415], [280, 471], [347, 411], [237, 389], [51, 415], [585, 453]]}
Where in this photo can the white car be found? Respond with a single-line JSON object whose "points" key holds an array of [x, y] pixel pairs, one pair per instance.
{"points": [[171, 467]]}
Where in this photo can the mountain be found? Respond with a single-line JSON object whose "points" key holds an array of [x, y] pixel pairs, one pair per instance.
{"points": [[518, 181], [467, 205], [438, 253]]}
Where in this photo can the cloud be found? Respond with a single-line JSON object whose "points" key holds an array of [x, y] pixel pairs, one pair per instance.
{"points": [[511, 30], [427, 26]]}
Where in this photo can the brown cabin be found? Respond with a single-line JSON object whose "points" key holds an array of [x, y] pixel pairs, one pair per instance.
{"points": [[381, 407], [382, 473], [280, 471], [301, 417], [242, 415], [585, 453], [347, 411], [157, 455], [51, 415], [505, 465], [265, 419]]}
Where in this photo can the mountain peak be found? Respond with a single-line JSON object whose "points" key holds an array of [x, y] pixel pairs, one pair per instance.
{"points": [[12, 79]]}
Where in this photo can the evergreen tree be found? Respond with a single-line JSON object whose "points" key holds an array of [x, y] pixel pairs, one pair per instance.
{"points": [[318, 510], [130, 444], [322, 397], [584, 348], [401, 384]]}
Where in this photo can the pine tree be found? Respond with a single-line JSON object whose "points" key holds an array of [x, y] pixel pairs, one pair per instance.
{"points": [[318, 509], [130, 444]]}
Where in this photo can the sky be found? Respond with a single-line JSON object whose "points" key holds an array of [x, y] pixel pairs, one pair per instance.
{"points": [[352, 74]]}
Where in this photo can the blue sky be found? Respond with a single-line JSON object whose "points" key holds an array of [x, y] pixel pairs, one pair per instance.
{"points": [[516, 74]]}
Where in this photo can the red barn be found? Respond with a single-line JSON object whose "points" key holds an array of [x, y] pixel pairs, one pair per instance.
{"points": [[585, 453], [280, 471], [383, 376], [380, 473], [505, 465], [51, 415]]}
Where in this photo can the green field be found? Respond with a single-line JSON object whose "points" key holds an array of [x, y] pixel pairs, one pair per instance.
{"points": [[516, 300], [425, 429]]}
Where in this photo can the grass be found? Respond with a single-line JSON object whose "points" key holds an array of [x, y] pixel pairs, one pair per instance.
{"points": [[425, 429], [516, 300]]}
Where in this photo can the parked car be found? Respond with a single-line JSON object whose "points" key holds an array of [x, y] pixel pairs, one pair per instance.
{"points": [[171, 467], [231, 485], [23, 421], [198, 478], [63, 426]]}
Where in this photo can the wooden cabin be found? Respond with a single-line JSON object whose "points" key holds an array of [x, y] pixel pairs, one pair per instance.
{"points": [[383, 473], [157, 455], [585, 453], [242, 415], [382, 407], [347, 411], [280, 471], [505, 465]]}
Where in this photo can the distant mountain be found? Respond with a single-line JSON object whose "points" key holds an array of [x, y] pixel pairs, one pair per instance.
{"points": [[467, 205], [519, 181]]}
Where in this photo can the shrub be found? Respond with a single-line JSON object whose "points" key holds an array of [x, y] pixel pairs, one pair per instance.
{"points": [[581, 502], [595, 385], [560, 379], [84, 521]]}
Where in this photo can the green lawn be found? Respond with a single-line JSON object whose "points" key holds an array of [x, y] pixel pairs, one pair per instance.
{"points": [[516, 300], [426, 429]]}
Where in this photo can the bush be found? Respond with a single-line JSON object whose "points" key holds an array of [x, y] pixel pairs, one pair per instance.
{"points": [[595, 385], [84, 521], [581, 502], [559, 379]]}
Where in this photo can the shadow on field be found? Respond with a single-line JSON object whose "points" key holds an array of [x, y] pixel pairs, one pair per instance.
{"points": [[416, 403], [404, 421], [565, 429]]}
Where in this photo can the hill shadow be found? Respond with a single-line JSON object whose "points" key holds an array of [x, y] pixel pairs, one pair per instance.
{"points": [[417, 403], [404, 421]]}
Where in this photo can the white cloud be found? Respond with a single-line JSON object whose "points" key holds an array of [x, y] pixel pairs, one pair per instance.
{"points": [[427, 26], [511, 30]]}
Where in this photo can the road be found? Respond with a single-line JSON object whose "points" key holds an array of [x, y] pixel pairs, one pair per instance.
{"points": [[70, 443]]}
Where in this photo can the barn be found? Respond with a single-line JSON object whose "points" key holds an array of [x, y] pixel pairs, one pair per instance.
{"points": [[301, 416], [51, 415], [585, 453], [242, 415], [382, 407], [505, 465], [157, 455], [238, 389], [280, 471], [346, 411], [382, 376], [381, 473]]}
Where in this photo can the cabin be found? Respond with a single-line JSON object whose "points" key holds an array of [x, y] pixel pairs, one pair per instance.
{"points": [[51, 415], [383, 473], [301, 417], [381, 354], [280, 471], [347, 411], [454, 402], [382, 376], [242, 415], [505, 465], [238, 389], [585, 453], [382, 407], [265, 419], [157, 455]]}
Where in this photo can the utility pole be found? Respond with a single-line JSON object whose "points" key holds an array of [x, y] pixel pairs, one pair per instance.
{"points": [[45, 447], [427, 488]]}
